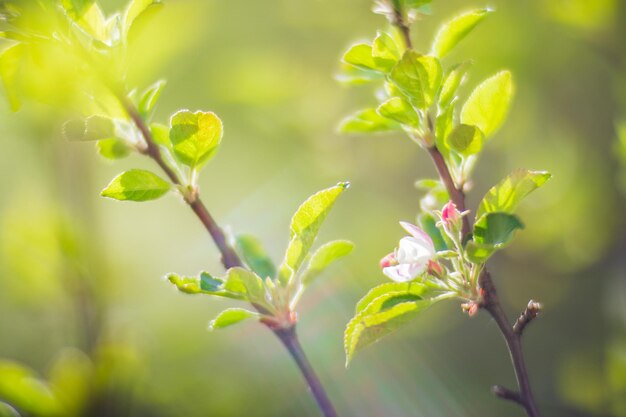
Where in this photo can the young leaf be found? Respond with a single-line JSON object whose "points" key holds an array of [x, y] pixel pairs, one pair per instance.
{"points": [[488, 105], [419, 77], [136, 185], [412, 288], [148, 100], [161, 135], [452, 32], [240, 280], [429, 225], [466, 140], [113, 148], [207, 284], [231, 316], [349, 74], [399, 110], [305, 224], [195, 136], [507, 194], [385, 52], [451, 83], [135, 9], [23, 388], [323, 257], [367, 121], [9, 70], [360, 56], [492, 232], [255, 256]]}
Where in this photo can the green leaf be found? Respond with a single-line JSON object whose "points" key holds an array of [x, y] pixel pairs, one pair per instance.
{"points": [[23, 388], [161, 135], [9, 69], [399, 110], [187, 285], [195, 136], [255, 256], [360, 56], [148, 100], [367, 121], [496, 229], [413, 288], [207, 284], [135, 9], [136, 185], [231, 316], [240, 280], [451, 84], [443, 126], [383, 311], [452, 32], [429, 225], [349, 74], [323, 257], [488, 105], [466, 140], [385, 52], [113, 148], [492, 232], [305, 225], [508, 193], [92, 128], [419, 77]]}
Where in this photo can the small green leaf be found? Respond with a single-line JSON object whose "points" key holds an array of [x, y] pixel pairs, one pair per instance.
{"points": [[161, 135], [349, 74], [210, 283], [148, 100], [207, 284], [24, 389], [399, 110], [488, 105], [113, 148], [466, 140], [385, 52], [231, 316], [419, 77], [255, 256], [136, 185], [323, 257], [451, 84], [135, 9], [367, 121], [443, 126], [452, 32], [413, 288], [496, 229], [195, 136], [360, 56], [507, 194], [477, 253], [187, 285], [240, 280], [305, 225]]}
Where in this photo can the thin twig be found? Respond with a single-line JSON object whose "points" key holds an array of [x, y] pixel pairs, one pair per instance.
{"points": [[530, 312], [230, 259], [490, 301]]}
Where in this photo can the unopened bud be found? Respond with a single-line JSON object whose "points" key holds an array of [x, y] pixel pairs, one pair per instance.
{"points": [[435, 269], [471, 308], [450, 214], [389, 260]]}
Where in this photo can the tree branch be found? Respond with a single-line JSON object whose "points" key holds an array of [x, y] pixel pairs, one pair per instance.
{"points": [[530, 312]]}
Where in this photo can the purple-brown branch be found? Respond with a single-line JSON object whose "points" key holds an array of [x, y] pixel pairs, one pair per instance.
{"points": [[490, 302], [230, 259]]}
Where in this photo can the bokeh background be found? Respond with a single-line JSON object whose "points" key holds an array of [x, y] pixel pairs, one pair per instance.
{"points": [[82, 299]]}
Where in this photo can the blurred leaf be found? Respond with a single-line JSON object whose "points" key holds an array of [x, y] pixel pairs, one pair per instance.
{"points": [[367, 121], [451, 83], [443, 127], [161, 135], [399, 110], [231, 316], [136, 185], [489, 103], [349, 74], [7, 411], [507, 194], [134, 9], [149, 99], [195, 136], [22, 388], [305, 224], [323, 257], [71, 376], [383, 310], [88, 129], [418, 76], [113, 148], [385, 52], [9, 67], [452, 32], [466, 140], [255, 256]]}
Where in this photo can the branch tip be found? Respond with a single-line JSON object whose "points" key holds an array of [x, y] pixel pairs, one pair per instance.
{"points": [[530, 312]]}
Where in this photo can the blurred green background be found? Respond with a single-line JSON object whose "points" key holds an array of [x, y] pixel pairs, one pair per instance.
{"points": [[81, 273]]}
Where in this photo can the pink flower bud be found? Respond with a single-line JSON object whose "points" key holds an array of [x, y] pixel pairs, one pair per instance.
{"points": [[450, 214], [435, 269], [389, 260]]}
